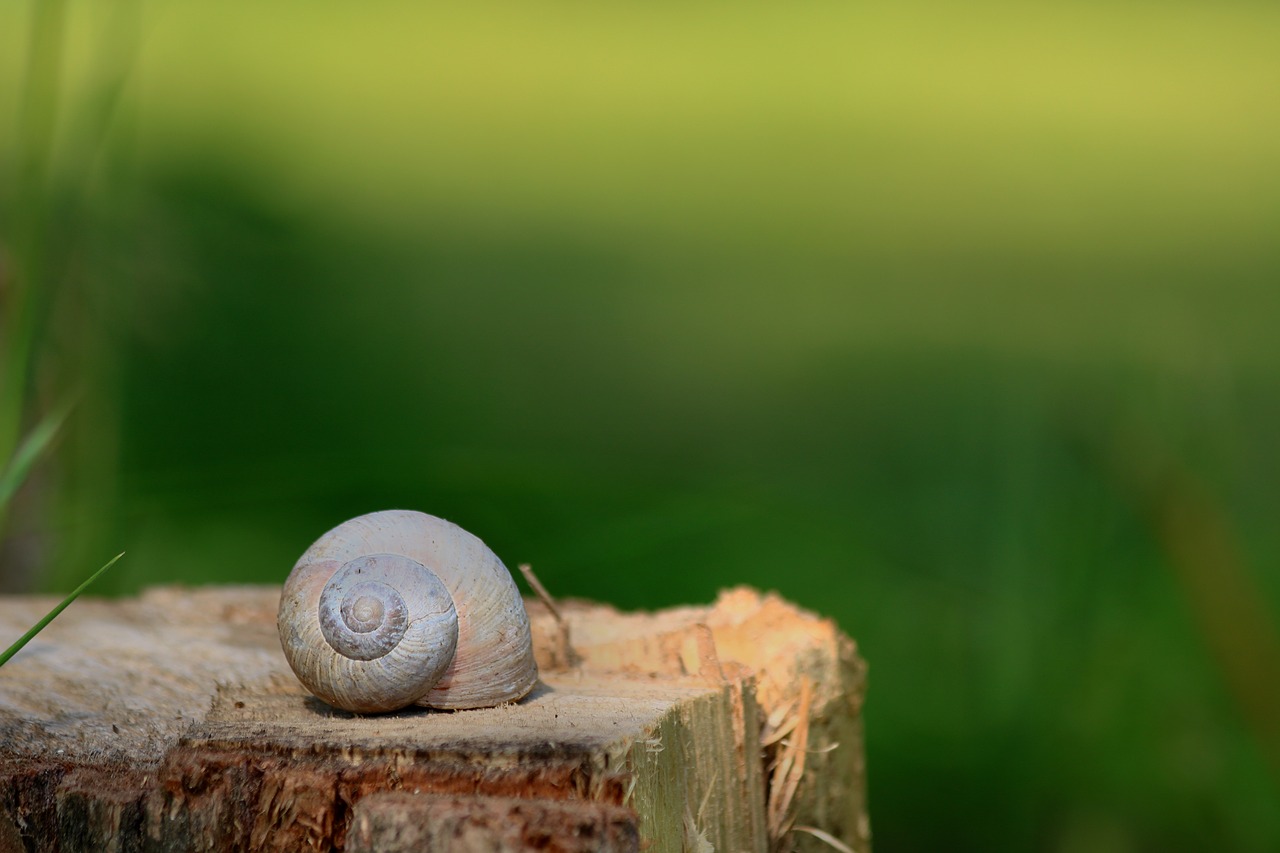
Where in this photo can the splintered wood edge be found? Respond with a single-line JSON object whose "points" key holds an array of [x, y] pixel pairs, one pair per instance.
{"points": [[809, 682]]}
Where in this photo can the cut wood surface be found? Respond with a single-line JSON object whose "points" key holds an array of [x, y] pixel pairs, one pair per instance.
{"points": [[171, 722]]}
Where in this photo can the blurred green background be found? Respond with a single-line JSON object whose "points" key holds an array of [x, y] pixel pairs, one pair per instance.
{"points": [[959, 323]]}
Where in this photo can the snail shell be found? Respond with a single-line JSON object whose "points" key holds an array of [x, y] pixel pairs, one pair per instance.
{"points": [[395, 608]]}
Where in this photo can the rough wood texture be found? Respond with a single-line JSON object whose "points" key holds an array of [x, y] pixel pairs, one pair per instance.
{"points": [[171, 722]]}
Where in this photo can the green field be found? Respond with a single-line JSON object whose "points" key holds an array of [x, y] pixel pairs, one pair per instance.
{"points": [[957, 323]]}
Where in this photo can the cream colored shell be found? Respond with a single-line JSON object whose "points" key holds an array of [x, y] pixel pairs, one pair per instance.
{"points": [[395, 608]]}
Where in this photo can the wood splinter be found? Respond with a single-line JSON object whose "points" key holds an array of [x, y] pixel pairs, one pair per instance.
{"points": [[563, 655]]}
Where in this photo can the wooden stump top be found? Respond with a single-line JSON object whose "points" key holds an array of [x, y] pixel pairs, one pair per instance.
{"points": [[171, 721]]}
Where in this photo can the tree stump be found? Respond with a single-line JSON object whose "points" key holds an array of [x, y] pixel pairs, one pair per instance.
{"points": [[171, 722]]}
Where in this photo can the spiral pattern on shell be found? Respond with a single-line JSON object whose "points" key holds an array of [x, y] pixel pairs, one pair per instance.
{"points": [[395, 608]]}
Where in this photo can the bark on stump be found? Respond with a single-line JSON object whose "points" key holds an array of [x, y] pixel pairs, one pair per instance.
{"points": [[171, 722]]}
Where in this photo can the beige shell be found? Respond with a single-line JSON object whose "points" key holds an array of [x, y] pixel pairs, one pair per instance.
{"points": [[398, 607]]}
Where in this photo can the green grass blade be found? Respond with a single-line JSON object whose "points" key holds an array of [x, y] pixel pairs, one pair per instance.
{"points": [[30, 451], [52, 614]]}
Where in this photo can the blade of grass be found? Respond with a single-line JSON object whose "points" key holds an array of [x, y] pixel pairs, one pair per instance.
{"points": [[29, 452], [52, 614], [29, 290]]}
